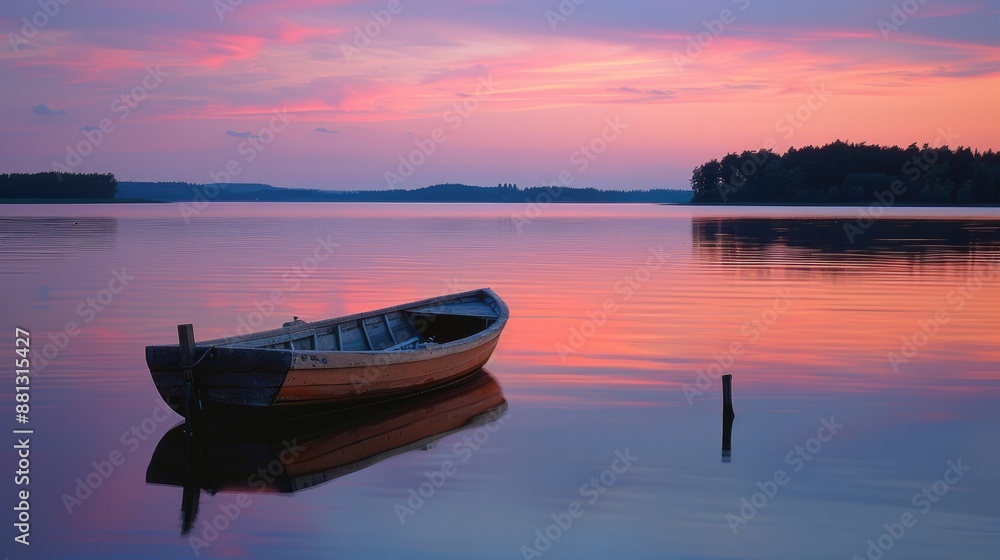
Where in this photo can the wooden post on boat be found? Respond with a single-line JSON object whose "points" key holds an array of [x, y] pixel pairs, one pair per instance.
{"points": [[185, 335], [727, 418]]}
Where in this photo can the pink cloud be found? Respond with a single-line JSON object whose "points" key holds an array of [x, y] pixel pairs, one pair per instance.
{"points": [[232, 74]]}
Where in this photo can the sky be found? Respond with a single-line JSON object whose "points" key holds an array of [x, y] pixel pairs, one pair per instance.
{"points": [[344, 94]]}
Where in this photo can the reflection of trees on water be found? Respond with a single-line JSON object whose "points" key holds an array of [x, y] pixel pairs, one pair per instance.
{"points": [[806, 247]]}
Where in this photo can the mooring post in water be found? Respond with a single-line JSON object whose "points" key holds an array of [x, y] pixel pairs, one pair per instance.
{"points": [[185, 334], [727, 418], [727, 395], [727, 438]]}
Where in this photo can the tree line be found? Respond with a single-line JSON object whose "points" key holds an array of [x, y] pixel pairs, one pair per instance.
{"points": [[848, 173], [63, 186]]}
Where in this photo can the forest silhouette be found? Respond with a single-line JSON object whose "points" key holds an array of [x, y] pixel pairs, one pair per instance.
{"points": [[58, 186], [846, 173]]}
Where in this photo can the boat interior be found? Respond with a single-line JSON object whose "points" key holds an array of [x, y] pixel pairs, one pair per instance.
{"points": [[403, 329]]}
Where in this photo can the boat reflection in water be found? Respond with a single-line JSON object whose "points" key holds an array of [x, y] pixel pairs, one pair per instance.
{"points": [[301, 452]]}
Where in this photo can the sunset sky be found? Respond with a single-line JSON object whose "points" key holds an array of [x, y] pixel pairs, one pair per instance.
{"points": [[331, 94]]}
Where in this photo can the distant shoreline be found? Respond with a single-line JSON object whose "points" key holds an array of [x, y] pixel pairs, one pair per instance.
{"points": [[443, 193], [78, 188], [107, 190], [88, 202], [78, 201], [140, 201]]}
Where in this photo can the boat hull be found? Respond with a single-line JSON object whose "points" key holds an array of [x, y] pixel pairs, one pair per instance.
{"points": [[347, 378], [232, 380]]}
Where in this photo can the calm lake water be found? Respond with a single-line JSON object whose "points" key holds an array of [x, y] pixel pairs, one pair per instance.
{"points": [[865, 365]]}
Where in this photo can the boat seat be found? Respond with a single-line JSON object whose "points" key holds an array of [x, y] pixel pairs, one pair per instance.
{"points": [[468, 309], [404, 344]]}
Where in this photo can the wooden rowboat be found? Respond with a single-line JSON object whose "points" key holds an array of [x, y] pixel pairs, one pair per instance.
{"points": [[367, 355]]}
